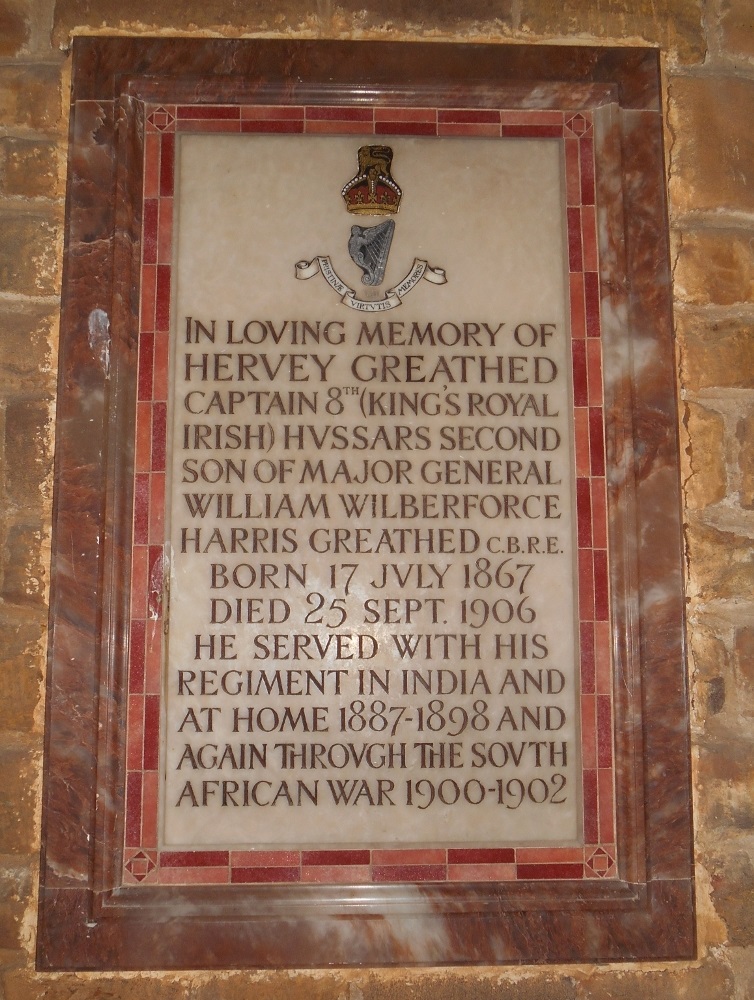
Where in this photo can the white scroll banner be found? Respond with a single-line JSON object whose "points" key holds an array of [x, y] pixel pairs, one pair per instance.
{"points": [[392, 298]]}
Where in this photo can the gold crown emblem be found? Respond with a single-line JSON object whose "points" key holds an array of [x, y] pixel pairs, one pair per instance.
{"points": [[373, 191]]}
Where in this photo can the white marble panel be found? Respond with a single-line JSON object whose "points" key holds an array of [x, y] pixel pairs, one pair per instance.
{"points": [[372, 614]]}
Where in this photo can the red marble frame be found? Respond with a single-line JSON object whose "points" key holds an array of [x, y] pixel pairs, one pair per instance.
{"points": [[629, 893], [142, 859]]}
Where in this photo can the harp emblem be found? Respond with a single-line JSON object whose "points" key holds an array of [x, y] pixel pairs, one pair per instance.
{"points": [[373, 191], [369, 247]]}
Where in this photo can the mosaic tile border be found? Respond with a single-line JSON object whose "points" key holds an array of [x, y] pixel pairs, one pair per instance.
{"points": [[143, 861]]}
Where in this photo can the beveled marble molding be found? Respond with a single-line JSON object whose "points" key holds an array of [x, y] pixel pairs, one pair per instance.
{"points": [[105, 903]]}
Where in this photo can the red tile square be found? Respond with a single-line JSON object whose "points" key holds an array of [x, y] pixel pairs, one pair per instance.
{"points": [[194, 859], [405, 115], [226, 125], [549, 855], [162, 298], [148, 296], [143, 443], [603, 657], [409, 873], [135, 737], [584, 511], [139, 578], [589, 238], [272, 127], [151, 732], [594, 371], [586, 585], [572, 172], [150, 792], [476, 130], [159, 436], [596, 442], [141, 508], [133, 809], [591, 815], [604, 731], [588, 731], [578, 309], [580, 384], [264, 859], [271, 112], [311, 858], [194, 876], [336, 874], [564, 871], [481, 873], [575, 261], [153, 668], [599, 513], [249, 875], [167, 164], [586, 149], [607, 818], [151, 165], [581, 441], [481, 855], [586, 644], [405, 128], [533, 131], [315, 113], [146, 362], [165, 231], [213, 112], [420, 856], [592, 303], [160, 371], [136, 655], [335, 127], [468, 115], [149, 231], [601, 585], [157, 509]]}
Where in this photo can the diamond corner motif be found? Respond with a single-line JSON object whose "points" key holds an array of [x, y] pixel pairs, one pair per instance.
{"points": [[579, 125], [161, 119], [600, 862], [140, 864]]}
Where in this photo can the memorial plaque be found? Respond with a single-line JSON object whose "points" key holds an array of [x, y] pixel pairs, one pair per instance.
{"points": [[382, 513]]}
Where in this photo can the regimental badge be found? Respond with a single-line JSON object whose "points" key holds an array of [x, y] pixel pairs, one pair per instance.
{"points": [[373, 191], [369, 247]]}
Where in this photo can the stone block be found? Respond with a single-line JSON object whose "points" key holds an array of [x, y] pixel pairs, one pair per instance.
{"points": [[26, 351], [17, 798], [29, 169], [737, 27], [30, 97], [721, 563], [23, 647], [714, 267], [27, 455], [14, 27], [151, 15], [715, 353], [712, 156], [708, 481], [28, 254], [726, 774], [702, 983], [15, 891], [24, 575], [732, 877], [674, 25], [745, 435]]}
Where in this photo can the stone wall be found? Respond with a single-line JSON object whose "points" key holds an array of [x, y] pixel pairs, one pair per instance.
{"points": [[708, 50]]}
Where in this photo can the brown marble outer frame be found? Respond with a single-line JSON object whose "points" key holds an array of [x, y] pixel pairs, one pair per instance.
{"points": [[87, 918]]}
